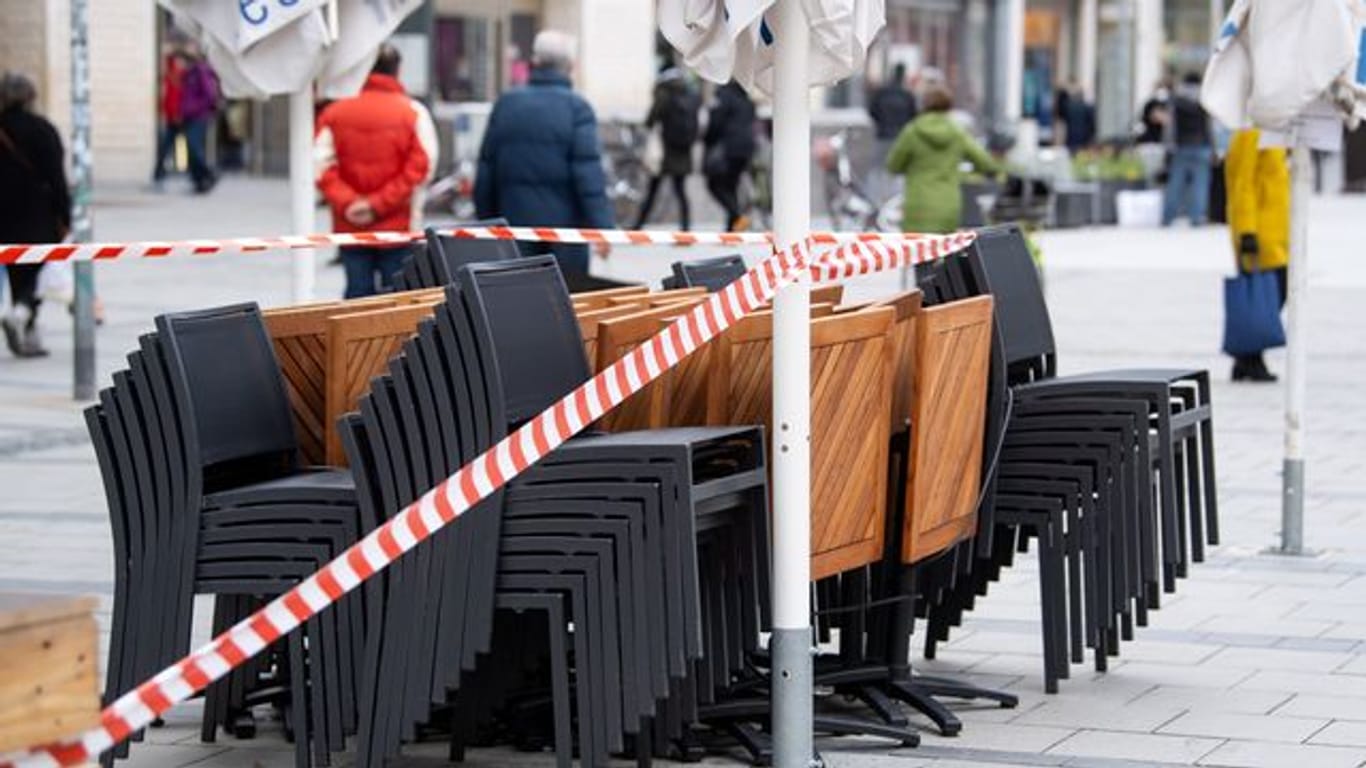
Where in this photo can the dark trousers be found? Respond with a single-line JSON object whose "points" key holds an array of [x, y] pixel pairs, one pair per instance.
{"points": [[371, 270], [196, 141], [725, 188], [165, 146], [23, 286], [680, 191]]}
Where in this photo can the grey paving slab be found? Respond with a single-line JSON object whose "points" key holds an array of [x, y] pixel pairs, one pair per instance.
{"points": [[1225, 725], [1309, 704], [1259, 754], [1342, 734], [1135, 746]]}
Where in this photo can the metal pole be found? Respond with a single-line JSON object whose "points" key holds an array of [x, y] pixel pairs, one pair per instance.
{"points": [[1292, 479], [82, 226], [301, 190], [791, 644]]}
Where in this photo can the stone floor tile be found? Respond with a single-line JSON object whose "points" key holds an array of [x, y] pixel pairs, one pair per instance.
{"points": [[1277, 658], [1355, 665], [1138, 716], [1178, 676], [1202, 700], [1164, 652], [1261, 754], [1301, 682], [1224, 725], [1265, 625], [1003, 736], [1136, 746], [1328, 707], [174, 755], [1342, 734]]}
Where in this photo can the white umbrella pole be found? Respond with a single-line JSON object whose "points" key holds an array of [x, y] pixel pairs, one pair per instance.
{"points": [[301, 195], [790, 646], [1292, 480]]}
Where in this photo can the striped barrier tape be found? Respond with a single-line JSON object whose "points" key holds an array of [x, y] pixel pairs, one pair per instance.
{"points": [[151, 249], [475, 481]]}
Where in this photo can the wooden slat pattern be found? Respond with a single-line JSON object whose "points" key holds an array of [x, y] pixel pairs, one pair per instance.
{"points": [[647, 409], [851, 396], [359, 347], [299, 336], [49, 685], [602, 299], [948, 426]]}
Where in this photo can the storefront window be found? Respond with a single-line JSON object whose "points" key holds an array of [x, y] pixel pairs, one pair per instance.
{"points": [[943, 38]]}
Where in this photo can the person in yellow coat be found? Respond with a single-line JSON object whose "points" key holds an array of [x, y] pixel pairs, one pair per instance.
{"points": [[1258, 181]]}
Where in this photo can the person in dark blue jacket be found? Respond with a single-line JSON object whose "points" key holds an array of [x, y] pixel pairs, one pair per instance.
{"points": [[540, 163]]}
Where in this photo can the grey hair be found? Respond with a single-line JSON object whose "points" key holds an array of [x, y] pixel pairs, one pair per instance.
{"points": [[553, 49], [17, 90]]}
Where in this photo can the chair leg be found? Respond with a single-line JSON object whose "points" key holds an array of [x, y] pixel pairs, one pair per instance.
{"points": [[1197, 524], [298, 698]]}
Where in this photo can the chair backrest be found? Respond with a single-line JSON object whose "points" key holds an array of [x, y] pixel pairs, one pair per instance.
{"points": [[947, 426], [448, 254], [590, 318], [1001, 264], [618, 335], [712, 274], [851, 396], [359, 346], [225, 375], [526, 332]]}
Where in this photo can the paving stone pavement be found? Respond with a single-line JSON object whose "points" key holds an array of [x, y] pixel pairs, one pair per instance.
{"points": [[1258, 660]]}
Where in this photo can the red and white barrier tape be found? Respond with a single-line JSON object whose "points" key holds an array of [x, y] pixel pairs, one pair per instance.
{"points": [[471, 484], [40, 253]]}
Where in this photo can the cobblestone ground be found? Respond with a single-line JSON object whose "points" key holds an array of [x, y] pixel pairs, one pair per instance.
{"points": [[1258, 661]]}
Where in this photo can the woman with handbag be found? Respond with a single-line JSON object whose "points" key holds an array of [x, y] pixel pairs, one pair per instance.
{"points": [[730, 149], [674, 112], [1258, 184], [35, 201]]}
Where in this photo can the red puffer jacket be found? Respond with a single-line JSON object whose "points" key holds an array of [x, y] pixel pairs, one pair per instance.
{"points": [[381, 146]]}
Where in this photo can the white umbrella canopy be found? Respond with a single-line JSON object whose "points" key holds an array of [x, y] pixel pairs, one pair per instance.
{"points": [[1274, 58], [261, 48], [1296, 70], [725, 39]]}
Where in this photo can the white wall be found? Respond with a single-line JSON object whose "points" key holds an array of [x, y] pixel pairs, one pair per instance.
{"points": [[616, 55]]}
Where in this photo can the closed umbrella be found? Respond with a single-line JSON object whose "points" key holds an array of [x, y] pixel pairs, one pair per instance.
{"points": [[261, 48], [779, 48], [1296, 69]]}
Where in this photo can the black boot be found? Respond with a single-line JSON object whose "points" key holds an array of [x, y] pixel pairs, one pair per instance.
{"points": [[1251, 368]]}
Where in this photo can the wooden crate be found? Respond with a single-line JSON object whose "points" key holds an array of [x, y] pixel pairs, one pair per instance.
{"points": [[49, 681]]}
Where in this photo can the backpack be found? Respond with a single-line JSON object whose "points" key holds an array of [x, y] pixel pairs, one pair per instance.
{"points": [[679, 121]]}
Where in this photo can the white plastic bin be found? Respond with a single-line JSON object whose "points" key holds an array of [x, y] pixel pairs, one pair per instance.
{"points": [[1139, 208]]}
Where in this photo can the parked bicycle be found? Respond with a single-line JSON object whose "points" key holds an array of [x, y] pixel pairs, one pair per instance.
{"points": [[847, 201]]}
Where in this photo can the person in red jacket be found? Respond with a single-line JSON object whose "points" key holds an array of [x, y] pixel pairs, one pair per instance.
{"points": [[374, 154], [172, 125]]}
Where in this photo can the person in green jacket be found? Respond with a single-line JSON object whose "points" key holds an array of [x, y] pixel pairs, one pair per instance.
{"points": [[929, 152]]}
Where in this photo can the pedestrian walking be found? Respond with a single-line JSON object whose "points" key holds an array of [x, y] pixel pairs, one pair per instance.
{"points": [[929, 152], [35, 200], [1077, 115], [1188, 172], [1155, 116], [541, 160], [199, 95], [892, 106], [1258, 184], [168, 108], [374, 154], [674, 112], [730, 146]]}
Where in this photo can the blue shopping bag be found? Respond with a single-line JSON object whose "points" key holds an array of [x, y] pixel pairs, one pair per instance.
{"points": [[1252, 313]]}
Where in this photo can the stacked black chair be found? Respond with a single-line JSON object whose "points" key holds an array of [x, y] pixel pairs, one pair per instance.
{"points": [[436, 262], [198, 457], [627, 536], [1096, 468], [712, 274]]}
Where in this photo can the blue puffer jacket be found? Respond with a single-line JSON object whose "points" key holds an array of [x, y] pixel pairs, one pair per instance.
{"points": [[540, 164]]}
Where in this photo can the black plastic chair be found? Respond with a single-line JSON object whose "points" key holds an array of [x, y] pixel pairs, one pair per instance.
{"points": [[712, 274]]}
